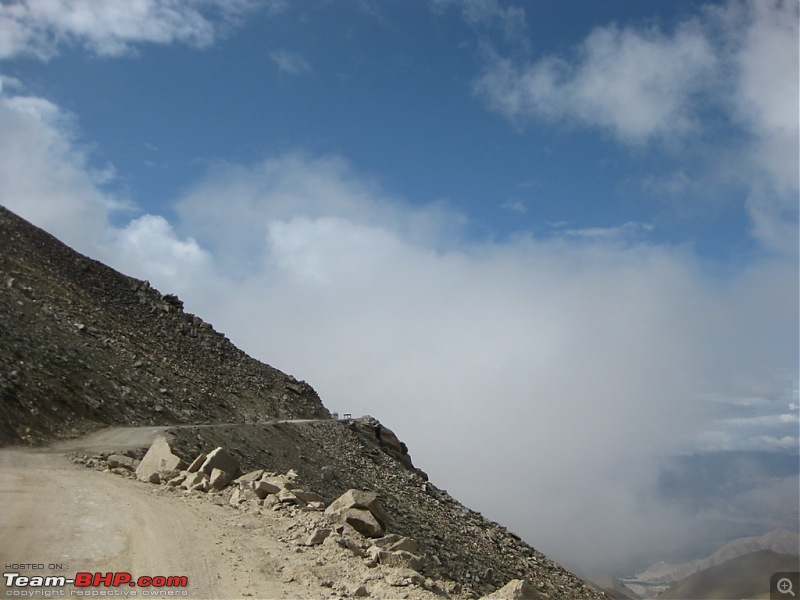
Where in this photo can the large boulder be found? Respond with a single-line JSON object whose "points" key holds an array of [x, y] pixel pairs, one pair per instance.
{"points": [[400, 558], [221, 459], [194, 467], [362, 511], [318, 536], [218, 479], [159, 462], [361, 500], [264, 488], [252, 476], [282, 482], [363, 521]]}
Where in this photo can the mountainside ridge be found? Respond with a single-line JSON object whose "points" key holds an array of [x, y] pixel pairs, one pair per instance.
{"points": [[780, 541], [84, 346], [85, 343]]}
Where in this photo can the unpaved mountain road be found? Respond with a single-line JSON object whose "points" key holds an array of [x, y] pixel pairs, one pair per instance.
{"points": [[54, 512], [119, 439]]}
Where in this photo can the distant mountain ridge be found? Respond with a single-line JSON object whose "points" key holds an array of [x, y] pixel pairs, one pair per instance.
{"points": [[780, 541], [746, 576]]}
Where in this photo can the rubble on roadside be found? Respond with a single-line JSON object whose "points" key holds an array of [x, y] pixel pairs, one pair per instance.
{"points": [[357, 542], [353, 527]]}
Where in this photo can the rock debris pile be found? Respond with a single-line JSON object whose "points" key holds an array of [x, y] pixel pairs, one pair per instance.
{"points": [[365, 546], [351, 533]]}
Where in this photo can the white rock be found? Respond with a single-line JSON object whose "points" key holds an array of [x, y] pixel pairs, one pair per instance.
{"points": [[221, 459], [364, 522], [192, 479], [359, 499], [159, 462], [264, 488], [218, 479], [318, 536]]}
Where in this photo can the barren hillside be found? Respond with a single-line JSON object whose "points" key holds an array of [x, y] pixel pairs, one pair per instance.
{"points": [[83, 345]]}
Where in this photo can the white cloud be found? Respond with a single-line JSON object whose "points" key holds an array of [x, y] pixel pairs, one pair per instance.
{"points": [[635, 84], [9, 83], [767, 75], [626, 231], [44, 175], [541, 368], [292, 63], [765, 101], [147, 247], [328, 249], [555, 366], [738, 60], [516, 206], [292, 185], [110, 27]]}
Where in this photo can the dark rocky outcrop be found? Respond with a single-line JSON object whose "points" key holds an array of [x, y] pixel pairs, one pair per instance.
{"points": [[373, 431]]}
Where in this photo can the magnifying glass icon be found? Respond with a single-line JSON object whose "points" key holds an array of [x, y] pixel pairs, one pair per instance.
{"points": [[784, 586]]}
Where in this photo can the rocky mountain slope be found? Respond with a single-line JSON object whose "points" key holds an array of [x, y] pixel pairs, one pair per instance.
{"points": [[82, 346]]}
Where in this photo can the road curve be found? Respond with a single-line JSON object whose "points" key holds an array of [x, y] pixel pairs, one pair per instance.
{"points": [[119, 439]]}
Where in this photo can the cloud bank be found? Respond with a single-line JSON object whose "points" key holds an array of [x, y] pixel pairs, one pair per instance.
{"points": [[539, 380]]}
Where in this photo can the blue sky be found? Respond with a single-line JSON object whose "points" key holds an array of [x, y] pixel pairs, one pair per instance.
{"points": [[580, 218], [392, 88]]}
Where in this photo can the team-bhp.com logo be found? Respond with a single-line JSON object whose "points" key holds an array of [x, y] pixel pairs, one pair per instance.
{"points": [[88, 584]]}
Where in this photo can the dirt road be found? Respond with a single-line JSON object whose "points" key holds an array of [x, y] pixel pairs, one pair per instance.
{"points": [[67, 519], [57, 513], [72, 519]]}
